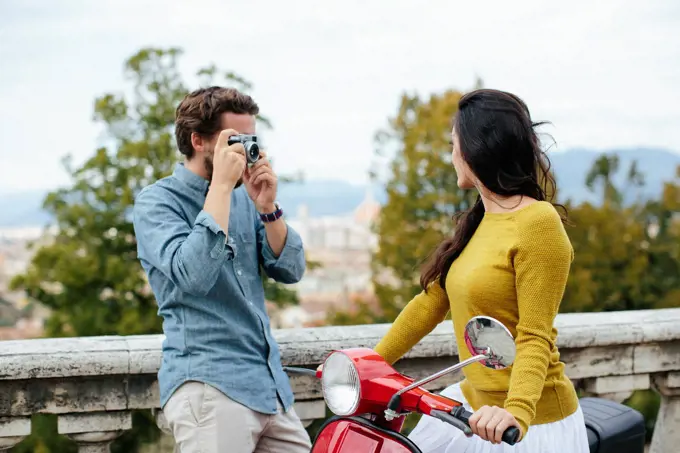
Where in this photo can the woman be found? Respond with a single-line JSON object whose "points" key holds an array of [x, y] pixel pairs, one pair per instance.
{"points": [[509, 259]]}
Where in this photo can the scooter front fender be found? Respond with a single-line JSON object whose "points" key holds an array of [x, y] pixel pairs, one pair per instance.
{"points": [[359, 435]]}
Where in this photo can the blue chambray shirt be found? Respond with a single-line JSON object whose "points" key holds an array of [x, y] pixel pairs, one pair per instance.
{"points": [[210, 293]]}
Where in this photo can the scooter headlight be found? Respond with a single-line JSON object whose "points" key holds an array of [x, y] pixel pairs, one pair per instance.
{"points": [[340, 384]]}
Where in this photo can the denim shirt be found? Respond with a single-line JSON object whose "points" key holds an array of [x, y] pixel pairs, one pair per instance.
{"points": [[209, 291]]}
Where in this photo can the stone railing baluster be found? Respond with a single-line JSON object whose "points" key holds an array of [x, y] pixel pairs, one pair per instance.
{"points": [[667, 428], [94, 431], [13, 430]]}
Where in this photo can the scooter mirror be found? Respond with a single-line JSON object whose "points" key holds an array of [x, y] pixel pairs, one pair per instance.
{"points": [[487, 336]]}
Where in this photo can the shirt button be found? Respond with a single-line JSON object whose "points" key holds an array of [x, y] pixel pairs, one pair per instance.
{"points": [[238, 272]]}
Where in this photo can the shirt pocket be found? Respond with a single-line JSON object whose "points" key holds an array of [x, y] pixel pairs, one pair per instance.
{"points": [[249, 253]]}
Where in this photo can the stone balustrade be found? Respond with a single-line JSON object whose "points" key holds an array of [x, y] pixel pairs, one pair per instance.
{"points": [[93, 383]]}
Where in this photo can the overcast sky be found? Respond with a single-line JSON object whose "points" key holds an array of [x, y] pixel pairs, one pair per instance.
{"points": [[606, 73]]}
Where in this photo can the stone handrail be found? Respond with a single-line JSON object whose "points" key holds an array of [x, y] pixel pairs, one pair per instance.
{"points": [[92, 383]]}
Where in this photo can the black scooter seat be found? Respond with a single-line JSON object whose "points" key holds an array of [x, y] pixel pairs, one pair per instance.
{"points": [[613, 427]]}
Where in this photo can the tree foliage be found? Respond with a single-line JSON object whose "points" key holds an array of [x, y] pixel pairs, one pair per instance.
{"points": [[88, 274], [422, 195], [627, 256]]}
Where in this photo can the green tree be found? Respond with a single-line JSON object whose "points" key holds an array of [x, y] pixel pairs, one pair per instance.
{"points": [[663, 245], [88, 274], [602, 174], [626, 254], [422, 196], [609, 262]]}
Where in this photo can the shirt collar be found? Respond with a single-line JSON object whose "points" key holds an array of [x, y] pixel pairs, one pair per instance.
{"points": [[190, 178]]}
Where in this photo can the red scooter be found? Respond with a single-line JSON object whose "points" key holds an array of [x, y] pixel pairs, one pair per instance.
{"points": [[370, 398]]}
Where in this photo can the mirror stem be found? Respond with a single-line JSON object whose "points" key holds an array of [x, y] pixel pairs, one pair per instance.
{"points": [[443, 372]]}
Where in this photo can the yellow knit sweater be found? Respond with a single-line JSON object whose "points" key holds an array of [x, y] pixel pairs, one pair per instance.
{"points": [[513, 269]]}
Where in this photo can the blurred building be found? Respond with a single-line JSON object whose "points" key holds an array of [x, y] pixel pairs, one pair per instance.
{"points": [[19, 316], [341, 246]]}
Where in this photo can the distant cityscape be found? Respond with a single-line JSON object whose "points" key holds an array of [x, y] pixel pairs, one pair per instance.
{"points": [[19, 317], [340, 244]]}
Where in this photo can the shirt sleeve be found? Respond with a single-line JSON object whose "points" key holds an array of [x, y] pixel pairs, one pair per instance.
{"points": [[289, 267], [420, 316], [190, 256], [542, 261]]}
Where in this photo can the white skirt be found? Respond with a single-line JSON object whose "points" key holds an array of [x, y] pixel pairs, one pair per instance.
{"points": [[567, 435]]}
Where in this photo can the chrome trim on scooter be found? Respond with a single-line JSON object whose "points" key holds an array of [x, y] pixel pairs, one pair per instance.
{"points": [[445, 371]]}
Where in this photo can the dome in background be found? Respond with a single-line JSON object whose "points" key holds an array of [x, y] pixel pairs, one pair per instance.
{"points": [[369, 209]]}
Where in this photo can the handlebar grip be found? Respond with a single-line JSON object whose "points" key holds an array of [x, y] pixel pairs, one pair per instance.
{"points": [[295, 370], [510, 436]]}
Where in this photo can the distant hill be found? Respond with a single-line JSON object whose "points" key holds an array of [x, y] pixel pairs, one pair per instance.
{"points": [[571, 167], [22, 209], [327, 197]]}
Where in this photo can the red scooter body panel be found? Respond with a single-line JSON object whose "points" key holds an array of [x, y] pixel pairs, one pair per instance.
{"points": [[379, 382], [352, 435]]}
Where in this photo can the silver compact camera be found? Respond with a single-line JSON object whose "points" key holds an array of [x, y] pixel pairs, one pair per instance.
{"points": [[249, 143]]}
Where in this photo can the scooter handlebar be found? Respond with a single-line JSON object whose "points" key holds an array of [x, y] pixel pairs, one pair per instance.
{"points": [[459, 416]]}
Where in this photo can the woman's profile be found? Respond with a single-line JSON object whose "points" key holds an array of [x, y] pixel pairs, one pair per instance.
{"points": [[509, 258]]}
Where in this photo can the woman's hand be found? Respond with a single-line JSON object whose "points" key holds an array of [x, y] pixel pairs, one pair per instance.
{"points": [[490, 423]]}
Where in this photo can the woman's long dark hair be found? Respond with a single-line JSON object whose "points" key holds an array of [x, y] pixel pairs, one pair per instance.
{"points": [[498, 141]]}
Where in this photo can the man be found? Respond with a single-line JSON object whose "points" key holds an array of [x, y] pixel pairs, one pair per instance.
{"points": [[201, 238]]}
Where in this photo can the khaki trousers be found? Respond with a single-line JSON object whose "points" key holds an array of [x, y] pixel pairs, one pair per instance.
{"points": [[204, 420]]}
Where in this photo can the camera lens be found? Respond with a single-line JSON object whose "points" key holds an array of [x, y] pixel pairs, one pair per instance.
{"points": [[252, 152]]}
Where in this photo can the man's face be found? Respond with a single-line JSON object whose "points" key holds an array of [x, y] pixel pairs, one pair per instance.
{"points": [[243, 123]]}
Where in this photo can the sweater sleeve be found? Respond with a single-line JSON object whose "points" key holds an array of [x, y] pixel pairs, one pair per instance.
{"points": [[420, 316], [542, 260]]}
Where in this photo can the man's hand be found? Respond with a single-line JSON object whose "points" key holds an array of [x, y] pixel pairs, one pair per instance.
{"points": [[490, 423], [261, 184], [229, 162]]}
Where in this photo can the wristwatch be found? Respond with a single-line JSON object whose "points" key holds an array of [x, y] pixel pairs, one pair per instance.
{"points": [[272, 216]]}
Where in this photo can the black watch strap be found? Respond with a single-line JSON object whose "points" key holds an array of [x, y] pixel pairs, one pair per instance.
{"points": [[272, 216]]}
